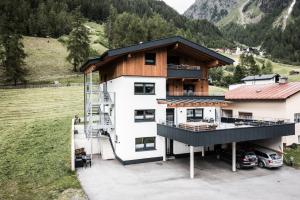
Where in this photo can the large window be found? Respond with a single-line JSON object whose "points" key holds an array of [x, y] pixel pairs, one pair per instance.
{"points": [[297, 117], [145, 144], [144, 88], [150, 58], [245, 115], [194, 115], [144, 115]]}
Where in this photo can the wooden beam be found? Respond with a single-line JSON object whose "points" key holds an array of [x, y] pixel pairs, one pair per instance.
{"points": [[214, 63], [90, 69]]}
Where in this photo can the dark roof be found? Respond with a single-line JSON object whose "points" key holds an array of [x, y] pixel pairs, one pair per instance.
{"points": [[260, 77], [156, 43]]}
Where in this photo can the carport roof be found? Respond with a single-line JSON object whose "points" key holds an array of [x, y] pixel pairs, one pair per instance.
{"points": [[222, 136]]}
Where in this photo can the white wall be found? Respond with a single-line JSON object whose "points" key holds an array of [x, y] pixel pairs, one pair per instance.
{"points": [[293, 106], [273, 144], [181, 117], [125, 104], [272, 110], [260, 82]]}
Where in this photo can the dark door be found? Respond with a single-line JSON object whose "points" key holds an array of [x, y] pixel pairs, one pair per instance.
{"points": [[170, 117]]}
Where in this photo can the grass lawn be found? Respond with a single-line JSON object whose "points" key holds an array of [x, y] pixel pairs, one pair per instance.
{"points": [[35, 142], [217, 90]]}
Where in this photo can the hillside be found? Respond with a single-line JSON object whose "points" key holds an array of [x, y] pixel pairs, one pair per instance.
{"points": [[46, 57], [279, 68], [223, 12]]}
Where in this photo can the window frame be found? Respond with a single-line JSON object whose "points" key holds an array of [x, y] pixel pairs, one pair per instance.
{"points": [[297, 118], [194, 118], [245, 115], [145, 58], [144, 88], [144, 119], [144, 143]]}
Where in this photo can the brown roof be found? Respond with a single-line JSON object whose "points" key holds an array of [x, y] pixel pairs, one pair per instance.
{"points": [[264, 92]]}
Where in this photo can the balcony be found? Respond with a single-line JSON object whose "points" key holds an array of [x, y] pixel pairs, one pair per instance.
{"points": [[184, 71], [226, 131]]}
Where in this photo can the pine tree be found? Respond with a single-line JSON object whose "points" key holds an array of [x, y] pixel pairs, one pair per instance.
{"points": [[250, 64], [239, 73], [267, 68], [79, 43], [13, 58]]}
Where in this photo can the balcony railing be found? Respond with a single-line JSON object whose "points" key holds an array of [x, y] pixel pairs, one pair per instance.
{"points": [[183, 67], [204, 136], [185, 71]]}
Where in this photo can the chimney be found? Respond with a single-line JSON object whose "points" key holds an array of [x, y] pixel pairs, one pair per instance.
{"points": [[283, 80]]}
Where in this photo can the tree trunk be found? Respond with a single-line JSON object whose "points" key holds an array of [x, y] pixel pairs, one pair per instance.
{"points": [[74, 68], [15, 81]]}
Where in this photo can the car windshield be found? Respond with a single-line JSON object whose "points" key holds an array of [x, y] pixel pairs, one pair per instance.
{"points": [[250, 154], [274, 156]]}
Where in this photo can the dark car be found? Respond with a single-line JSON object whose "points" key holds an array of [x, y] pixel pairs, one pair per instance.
{"points": [[244, 159]]}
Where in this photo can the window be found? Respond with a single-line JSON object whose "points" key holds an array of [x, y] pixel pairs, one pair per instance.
{"points": [[194, 115], [227, 113], [297, 117], [144, 115], [245, 115], [145, 144], [144, 88], [150, 58], [188, 90]]}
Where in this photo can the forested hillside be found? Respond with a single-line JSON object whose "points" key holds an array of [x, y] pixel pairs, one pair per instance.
{"points": [[53, 18]]}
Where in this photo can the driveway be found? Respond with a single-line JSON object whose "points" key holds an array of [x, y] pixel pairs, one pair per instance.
{"points": [[109, 180]]}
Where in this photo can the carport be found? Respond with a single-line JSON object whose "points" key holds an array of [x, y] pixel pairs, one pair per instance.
{"points": [[253, 131]]}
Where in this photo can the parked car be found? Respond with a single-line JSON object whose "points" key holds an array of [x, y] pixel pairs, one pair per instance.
{"points": [[244, 159], [268, 158]]}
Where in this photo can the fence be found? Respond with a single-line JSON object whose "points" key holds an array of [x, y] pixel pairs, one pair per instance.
{"points": [[40, 86]]}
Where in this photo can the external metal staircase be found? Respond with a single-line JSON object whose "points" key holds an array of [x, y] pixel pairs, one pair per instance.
{"points": [[99, 108]]}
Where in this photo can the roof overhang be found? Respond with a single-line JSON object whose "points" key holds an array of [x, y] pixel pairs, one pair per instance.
{"points": [[160, 43], [205, 101]]}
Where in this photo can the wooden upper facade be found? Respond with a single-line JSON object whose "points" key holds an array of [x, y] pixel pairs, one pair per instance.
{"points": [[184, 63]]}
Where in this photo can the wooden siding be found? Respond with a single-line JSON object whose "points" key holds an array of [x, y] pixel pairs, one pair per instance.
{"points": [[134, 65], [176, 86]]}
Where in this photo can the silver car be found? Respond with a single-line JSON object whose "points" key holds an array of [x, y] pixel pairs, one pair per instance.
{"points": [[268, 158]]}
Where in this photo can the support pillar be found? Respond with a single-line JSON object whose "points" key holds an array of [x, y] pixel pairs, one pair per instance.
{"points": [[203, 151], [164, 146], [233, 156], [191, 162]]}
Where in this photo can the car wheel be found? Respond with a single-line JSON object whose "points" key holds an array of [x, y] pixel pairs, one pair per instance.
{"points": [[238, 166], [261, 164]]}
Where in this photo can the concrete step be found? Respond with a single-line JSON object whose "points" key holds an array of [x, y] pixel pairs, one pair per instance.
{"points": [[106, 149]]}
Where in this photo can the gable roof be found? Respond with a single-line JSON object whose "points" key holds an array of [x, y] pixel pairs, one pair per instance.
{"points": [[260, 77], [155, 44], [275, 91]]}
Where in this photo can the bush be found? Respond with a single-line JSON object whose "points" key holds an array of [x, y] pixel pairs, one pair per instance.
{"points": [[294, 146]]}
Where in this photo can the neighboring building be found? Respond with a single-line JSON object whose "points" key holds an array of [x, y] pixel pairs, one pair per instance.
{"points": [[257, 80], [153, 101], [261, 79], [268, 101]]}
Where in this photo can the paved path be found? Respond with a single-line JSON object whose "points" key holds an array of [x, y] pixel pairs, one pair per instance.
{"points": [[109, 180]]}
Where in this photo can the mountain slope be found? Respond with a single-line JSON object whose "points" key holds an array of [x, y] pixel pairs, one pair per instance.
{"points": [[223, 12], [212, 11]]}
